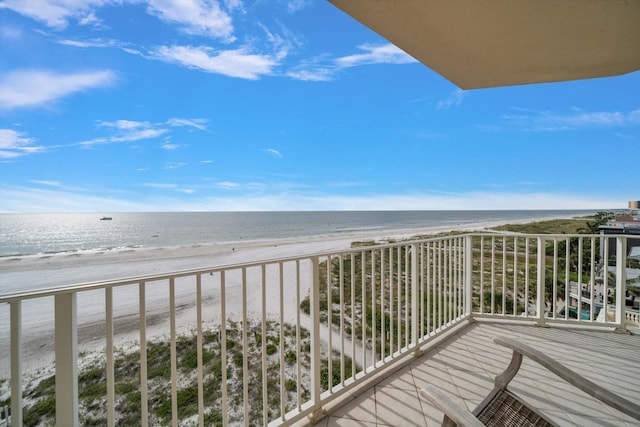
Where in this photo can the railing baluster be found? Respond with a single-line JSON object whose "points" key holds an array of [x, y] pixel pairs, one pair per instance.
{"points": [[144, 398], [421, 331], [407, 296], [621, 280], [223, 347], [173, 352], [108, 299], [399, 298], [493, 274], [592, 280], [540, 283], [441, 300], [342, 311], [298, 339], [515, 276], [263, 345], [567, 277], [282, 339], [580, 255], [363, 305], [504, 276], [414, 295], [199, 344], [391, 302], [383, 332], [245, 349], [468, 267], [16, 362], [353, 313], [66, 353], [527, 276], [555, 279], [329, 294], [447, 281], [605, 284], [374, 319], [315, 341]]}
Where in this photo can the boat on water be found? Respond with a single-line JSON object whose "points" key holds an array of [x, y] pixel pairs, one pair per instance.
{"points": [[106, 218]]}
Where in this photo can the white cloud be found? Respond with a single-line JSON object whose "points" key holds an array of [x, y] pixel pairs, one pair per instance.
{"points": [[47, 183], [56, 13], [296, 5], [578, 119], [375, 54], [128, 131], [159, 185], [311, 74], [274, 152], [233, 63], [200, 17], [14, 144], [34, 88], [454, 100], [228, 185], [174, 165], [132, 130], [168, 186], [125, 124], [323, 69], [140, 134], [90, 43], [195, 123]]}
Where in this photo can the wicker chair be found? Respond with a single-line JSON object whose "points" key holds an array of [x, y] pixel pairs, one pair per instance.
{"points": [[503, 408]]}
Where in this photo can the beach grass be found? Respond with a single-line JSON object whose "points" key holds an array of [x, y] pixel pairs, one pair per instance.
{"points": [[40, 392]]}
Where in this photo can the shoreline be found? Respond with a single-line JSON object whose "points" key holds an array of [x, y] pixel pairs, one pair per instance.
{"points": [[64, 270]]}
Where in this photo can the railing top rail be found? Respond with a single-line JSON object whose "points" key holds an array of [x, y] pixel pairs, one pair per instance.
{"points": [[545, 235], [6, 298]]}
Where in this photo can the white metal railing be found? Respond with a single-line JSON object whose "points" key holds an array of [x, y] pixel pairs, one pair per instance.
{"points": [[269, 343], [550, 278]]}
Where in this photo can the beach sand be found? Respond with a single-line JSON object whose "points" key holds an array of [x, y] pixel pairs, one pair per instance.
{"points": [[20, 274]]}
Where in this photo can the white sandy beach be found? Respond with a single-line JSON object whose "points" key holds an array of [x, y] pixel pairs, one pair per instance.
{"points": [[20, 274]]}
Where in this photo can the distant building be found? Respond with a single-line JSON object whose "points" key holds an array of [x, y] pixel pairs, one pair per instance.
{"points": [[634, 204], [624, 223]]}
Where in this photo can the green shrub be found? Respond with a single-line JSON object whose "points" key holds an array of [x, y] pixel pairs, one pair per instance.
{"points": [[290, 385]]}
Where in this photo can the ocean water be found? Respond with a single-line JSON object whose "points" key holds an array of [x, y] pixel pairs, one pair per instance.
{"points": [[27, 234]]}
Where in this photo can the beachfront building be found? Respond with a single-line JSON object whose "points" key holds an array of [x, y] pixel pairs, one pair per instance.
{"points": [[351, 337]]}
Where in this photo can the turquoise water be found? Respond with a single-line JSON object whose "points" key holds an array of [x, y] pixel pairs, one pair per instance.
{"points": [[26, 234]]}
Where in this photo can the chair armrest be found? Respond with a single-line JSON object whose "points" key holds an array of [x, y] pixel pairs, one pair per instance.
{"points": [[589, 387], [452, 409]]}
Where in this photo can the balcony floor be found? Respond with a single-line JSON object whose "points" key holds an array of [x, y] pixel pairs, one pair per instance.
{"points": [[465, 365]]}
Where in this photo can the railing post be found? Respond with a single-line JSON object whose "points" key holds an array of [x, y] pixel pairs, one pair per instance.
{"points": [[66, 350], [621, 282], [468, 270], [314, 294], [16, 363], [415, 318], [540, 276]]}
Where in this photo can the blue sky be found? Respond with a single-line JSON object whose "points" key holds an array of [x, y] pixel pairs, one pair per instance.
{"points": [[183, 105]]}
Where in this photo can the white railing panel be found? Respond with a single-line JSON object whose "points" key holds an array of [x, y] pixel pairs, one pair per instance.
{"points": [[245, 324]]}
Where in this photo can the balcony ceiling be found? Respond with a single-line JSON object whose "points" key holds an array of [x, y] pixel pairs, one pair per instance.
{"points": [[488, 43]]}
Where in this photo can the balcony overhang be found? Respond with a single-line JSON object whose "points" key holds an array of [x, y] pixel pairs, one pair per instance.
{"points": [[488, 43]]}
